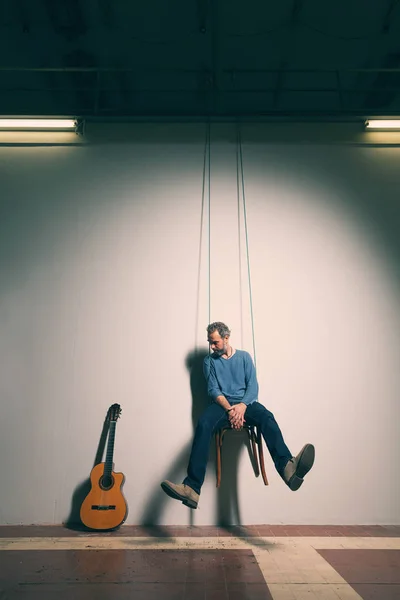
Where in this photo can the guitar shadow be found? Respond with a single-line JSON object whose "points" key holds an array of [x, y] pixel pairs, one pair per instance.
{"points": [[73, 520], [227, 511]]}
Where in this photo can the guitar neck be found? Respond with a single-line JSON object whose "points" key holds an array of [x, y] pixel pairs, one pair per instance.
{"points": [[110, 450]]}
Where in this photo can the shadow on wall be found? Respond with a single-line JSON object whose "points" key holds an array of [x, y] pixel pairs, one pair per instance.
{"points": [[227, 506]]}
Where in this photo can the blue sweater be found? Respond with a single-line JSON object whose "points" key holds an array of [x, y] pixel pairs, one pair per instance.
{"points": [[235, 378]]}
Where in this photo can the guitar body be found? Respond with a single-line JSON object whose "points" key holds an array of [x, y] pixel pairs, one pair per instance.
{"points": [[105, 506]]}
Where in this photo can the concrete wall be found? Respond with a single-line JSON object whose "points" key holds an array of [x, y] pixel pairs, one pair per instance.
{"points": [[104, 298]]}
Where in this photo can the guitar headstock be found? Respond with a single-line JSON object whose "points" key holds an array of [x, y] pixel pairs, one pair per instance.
{"points": [[114, 412]]}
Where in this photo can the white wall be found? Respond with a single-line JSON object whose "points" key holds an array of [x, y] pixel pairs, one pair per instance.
{"points": [[104, 294]]}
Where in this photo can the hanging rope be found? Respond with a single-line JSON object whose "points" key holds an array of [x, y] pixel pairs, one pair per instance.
{"points": [[240, 184], [239, 137], [203, 195], [239, 236], [209, 221]]}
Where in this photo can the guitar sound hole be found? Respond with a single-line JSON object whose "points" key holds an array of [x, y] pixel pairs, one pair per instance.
{"points": [[106, 482]]}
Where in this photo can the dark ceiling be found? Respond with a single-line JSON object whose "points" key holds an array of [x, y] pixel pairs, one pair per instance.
{"points": [[155, 58]]}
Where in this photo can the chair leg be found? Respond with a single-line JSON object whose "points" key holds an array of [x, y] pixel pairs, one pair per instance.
{"points": [[252, 437], [261, 456], [218, 443]]}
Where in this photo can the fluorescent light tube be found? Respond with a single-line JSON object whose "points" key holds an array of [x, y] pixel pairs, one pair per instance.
{"points": [[382, 124], [38, 124]]}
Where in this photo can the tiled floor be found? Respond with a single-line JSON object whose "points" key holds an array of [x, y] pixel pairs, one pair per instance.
{"points": [[207, 563]]}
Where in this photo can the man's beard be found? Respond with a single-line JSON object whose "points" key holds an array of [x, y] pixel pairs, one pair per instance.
{"points": [[220, 352]]}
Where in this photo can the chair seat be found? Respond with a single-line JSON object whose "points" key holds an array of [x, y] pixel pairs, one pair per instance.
{"points": [[255, 438]]}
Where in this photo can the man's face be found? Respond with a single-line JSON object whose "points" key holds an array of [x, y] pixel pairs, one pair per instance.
{"points": [[218, 344]]}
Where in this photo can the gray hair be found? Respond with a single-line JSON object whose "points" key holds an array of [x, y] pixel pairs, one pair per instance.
{"points": [[222, 329]]}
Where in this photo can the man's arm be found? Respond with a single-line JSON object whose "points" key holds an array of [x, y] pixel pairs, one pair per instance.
{"points": [[251, 393], [213, 388], [237, 414], [222, 401]]}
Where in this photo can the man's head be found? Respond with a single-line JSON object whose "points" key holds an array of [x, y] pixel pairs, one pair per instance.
{"points": [[218, 337]]}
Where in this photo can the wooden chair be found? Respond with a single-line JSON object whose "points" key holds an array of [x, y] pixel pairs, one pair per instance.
{"points": [[255, 438]]}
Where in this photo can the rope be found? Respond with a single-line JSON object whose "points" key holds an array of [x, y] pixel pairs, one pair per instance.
{"points": [[239, 238], [247, 243], [209, 221], [201, 238], [240, 179]]}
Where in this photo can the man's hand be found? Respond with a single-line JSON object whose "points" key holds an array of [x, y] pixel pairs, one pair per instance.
{"points": [[236, 415]]}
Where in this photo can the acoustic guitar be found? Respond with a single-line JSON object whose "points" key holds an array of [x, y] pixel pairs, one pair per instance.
{"points": [[105, 507]]}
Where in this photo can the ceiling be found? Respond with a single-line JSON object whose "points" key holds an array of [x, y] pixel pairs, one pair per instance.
{"points": [[190, 58]]}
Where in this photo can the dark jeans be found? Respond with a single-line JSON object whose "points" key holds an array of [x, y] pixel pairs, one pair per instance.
{"points": [[215, 417]]}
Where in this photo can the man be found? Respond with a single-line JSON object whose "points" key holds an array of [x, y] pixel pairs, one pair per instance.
{"points": [[233, 388]]}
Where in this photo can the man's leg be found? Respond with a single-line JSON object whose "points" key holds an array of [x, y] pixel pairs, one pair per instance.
{"points": [[257, 414], [188, 492], [213, 417], [291, 469]]}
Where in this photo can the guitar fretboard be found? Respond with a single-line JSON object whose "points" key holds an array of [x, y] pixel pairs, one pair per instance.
{"points": [[110, 451]]}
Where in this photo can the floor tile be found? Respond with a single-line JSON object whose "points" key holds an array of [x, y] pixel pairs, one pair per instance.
{"points": [[373, 574], [283, 562], [138, 572], [204, 531]]}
